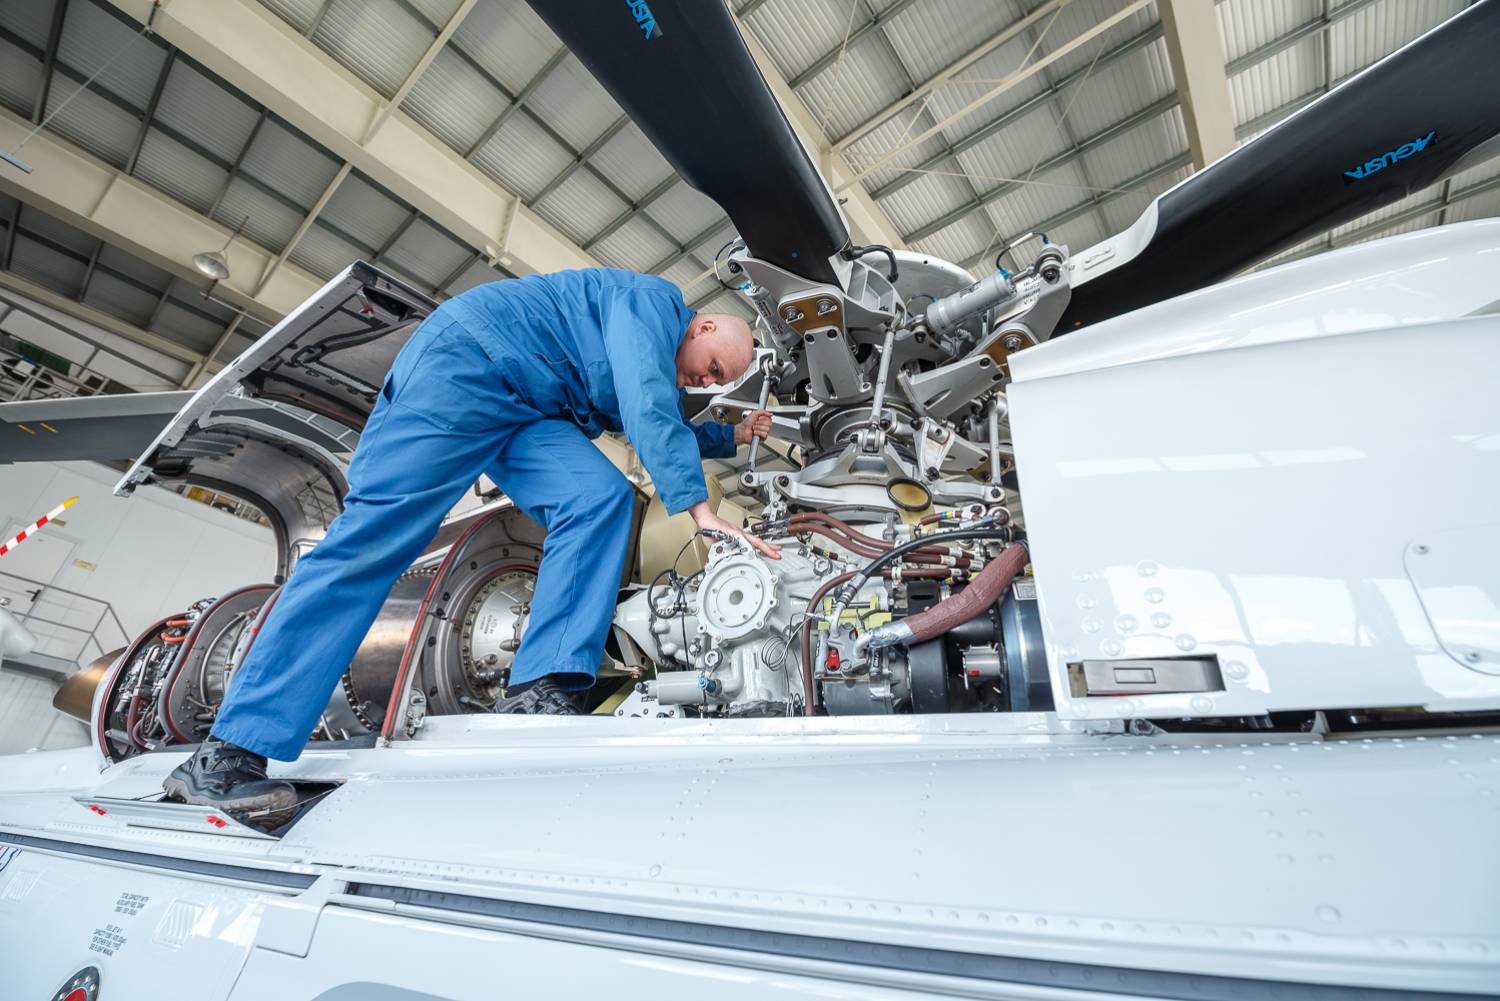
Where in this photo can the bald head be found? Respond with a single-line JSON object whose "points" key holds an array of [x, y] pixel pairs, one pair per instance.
{"points": [[718, 348]]}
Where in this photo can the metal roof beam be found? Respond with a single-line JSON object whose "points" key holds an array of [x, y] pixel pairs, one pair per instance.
{"points": [[150, 113], [1196, 54], [867, 221], [54, 36], [946, 74], [827, 59], [1094, 201], [387, 108], [517, 102], [249, 46], [1020, 111], [103, 201], [1307, 29], [89, 314], [1146, 114]]}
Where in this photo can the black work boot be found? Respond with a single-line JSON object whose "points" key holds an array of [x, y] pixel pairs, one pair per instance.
{"points": [[540, 697], [230, 778]]}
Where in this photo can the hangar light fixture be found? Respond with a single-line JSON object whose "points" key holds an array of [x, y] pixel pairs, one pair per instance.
{"points": [[213, 263]]}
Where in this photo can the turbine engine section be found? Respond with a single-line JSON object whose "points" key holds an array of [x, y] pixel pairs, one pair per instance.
{"points": [[747, 636], [130, 711], [199, 674]]}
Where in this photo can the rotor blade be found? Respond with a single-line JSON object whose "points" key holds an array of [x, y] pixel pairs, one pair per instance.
{"points": [[681, 71], [1395, 128]]}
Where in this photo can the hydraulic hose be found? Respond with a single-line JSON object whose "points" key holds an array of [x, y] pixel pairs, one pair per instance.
{"points": [[812, 603], [983, 591], [897, 552]]}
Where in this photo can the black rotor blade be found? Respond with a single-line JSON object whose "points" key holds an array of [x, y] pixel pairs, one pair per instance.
{"points": [[681, 71], [1393, 129]]}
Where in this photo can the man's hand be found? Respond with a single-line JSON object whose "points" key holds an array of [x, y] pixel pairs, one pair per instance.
{"points": [[707, 521], [756, 424]]}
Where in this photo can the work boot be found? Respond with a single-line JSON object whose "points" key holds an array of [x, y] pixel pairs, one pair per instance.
{"points": [[541, 697], [230, 778]]}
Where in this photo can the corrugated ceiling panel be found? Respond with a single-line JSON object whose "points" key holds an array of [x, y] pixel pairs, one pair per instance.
{"points": [[521, 157], [427, 252], [685, 212], [1082, 15], [1482, 206], [1431, 196], [379, 40], [477, 273], [632, 162], [854, 88], [20, 79], [1050, 192], [1476, 175], [128, 264], [1246, 25], [47, 267], [364, 212], [93, 122], [1132, 153], [571, 101], [977, 81], [171, 167], [289, 163], [436, 11], [1122, 210], [324, 253], [797, 32], [31, 19], [962, 240], [1380, 29], [271, 223], [580, 206], [891, 135], [925, 199], [1273, 82], [212, 116], [1012, 152], [932, 34], [635, 246], [56, 231], [91, 38], [186, 327], [120, 298], [1115, 92], [683, 274], [300, 14], [508, 39], [454, 101]]}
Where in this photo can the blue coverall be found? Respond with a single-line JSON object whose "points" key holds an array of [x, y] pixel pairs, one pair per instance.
{"points": [[511, 379]]}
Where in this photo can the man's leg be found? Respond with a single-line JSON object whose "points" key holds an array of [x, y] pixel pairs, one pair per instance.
{"points": [[560, 480], [425, 443]]}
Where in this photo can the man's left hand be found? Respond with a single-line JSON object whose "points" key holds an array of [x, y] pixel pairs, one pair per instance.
{"points": [[756, 423]]}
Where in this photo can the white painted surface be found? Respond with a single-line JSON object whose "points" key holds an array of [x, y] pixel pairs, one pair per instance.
{"points": [[1421, 277], [1239, 472], [1358, 862], [154, 553], [27, 719]]}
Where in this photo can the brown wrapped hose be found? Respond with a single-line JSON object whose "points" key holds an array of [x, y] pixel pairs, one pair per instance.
{"points": [[983, 591]]}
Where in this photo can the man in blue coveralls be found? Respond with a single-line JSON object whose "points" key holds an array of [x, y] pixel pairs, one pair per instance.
{"points": [[510, 379]]}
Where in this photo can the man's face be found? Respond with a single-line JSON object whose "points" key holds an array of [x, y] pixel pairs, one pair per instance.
{"points": [[713, 352]]}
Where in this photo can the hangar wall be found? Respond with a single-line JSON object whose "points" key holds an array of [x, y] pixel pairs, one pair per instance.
{"points": [[146, 555]]}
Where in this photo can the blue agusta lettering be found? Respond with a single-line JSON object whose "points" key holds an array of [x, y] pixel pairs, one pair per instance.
{"points": [[644, 19], [1379, 163]]}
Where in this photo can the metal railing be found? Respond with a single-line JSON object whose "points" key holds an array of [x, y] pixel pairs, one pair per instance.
{"points": [[23, 379], [81, 640]]}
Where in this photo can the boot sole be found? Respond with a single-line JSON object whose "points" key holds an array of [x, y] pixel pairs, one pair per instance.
{"points": [[260, 812]]}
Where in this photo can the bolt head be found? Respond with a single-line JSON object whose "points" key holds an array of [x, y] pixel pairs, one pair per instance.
{"points": [[1420, 549]]}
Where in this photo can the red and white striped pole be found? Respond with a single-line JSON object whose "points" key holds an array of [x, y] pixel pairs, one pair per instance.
{"points": [[30, 530]]}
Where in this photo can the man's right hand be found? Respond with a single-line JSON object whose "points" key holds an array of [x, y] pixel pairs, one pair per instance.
{"points": [[707, 521]]}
